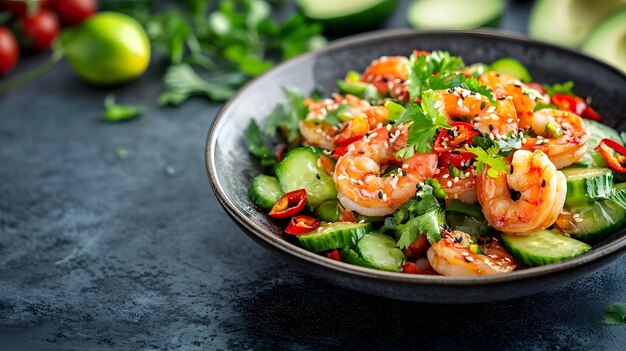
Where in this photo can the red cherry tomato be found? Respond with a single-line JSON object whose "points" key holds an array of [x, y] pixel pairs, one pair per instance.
{"points": [[290, 204], [72, 12], [301, 224], [334, 255], [9, 50], [38, 32]]}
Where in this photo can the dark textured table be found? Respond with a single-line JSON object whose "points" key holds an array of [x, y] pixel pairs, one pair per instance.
{"points": [[110, 238]]}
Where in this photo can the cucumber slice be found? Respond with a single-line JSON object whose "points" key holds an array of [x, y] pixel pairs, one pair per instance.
{"points": [[361, 90], [543, 247], [512, 67], [347, 15], [608, 40], [596, 220], [334, 235], [454, 14], [301, 169], [599, 131], [350, 256], [568, 22], [380, 252], [328, 211], [265, 191], [584, 185], [476, 227]]}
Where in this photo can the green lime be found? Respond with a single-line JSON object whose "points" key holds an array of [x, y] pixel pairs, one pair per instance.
{"points": [[109, 48]]}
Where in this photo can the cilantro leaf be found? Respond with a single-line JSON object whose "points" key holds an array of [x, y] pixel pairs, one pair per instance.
{"points": [[435, 71], [474, 85], [288, 116], [426, 121], [508, 144], [615, 314], [489, 158], [115, 113], [181, 82], [564, 88], [429, 224], [334, 117], [256, 145]]}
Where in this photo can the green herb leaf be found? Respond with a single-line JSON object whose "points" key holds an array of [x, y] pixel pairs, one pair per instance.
{"points": [[459, 206], [472, 84], [116, 113], [426, 121], [182, 82], [429, 224], [435, 71], [287, 117], [338, 114], [489, 158], [615, 314], [564, 88], [256, 145]]}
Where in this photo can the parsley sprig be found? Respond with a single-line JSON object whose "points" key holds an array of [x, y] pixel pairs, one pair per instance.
{"points": [[489, 158], [615, 314]]}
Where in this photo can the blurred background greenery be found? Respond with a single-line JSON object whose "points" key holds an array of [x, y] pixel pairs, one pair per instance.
{"points": [[212, 47]]}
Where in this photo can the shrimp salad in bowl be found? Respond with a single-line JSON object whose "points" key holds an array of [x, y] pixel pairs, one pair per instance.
{"points": [[426, 165]]}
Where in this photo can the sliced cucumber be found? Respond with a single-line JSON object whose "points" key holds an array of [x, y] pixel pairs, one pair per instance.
{"points": [[608, 40], [301, 169], [350, 256], [347, 15], [512, 67], [334, 236], [265, 191], [584, 185], [359, 89], [596, 220], [380, 252], [454, 14], [543, 247], [599, 131], [568, 22], [476, 227], [328, 211]]}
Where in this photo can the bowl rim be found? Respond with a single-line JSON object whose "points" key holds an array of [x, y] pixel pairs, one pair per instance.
{"points": [[288, 248]]}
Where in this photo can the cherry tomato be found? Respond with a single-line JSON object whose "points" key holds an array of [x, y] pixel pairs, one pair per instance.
{"points": [[301, 224], [38, 32], [457, 159], [72, 12], [459, 133], [9, 50], [617, 161], [289, 204], [19, 8], [410, 268]]}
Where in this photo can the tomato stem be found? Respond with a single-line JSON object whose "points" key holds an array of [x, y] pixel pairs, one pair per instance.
{"points": [[23, 78]]}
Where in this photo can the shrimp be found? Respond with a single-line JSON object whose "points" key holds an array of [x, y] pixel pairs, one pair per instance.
{"points": [[319, 133], [461, 104], [451, 256], [389, 75], [461, 188], [562, 135], [504, 85], [358, 179], [542, 191]]}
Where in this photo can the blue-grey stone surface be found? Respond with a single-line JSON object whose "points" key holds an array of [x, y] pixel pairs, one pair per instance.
{"points": [[111, 238]]}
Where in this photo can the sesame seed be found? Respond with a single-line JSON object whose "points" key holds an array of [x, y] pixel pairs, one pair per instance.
{"points": [[456, 196], [510, 120], [405, 166], [445, 176], [491, 136], [460, 103], [437, 171], [482, 105], [491, 127], [575, 215], [543, 183], [449, 183], [578, 220], [380, 194]]}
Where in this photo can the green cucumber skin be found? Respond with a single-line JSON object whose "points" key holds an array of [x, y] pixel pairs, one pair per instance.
{"points": [[584, 185], [599, 131], [265, 191], [599, 220], [359, 89], [328, 211], [542, 247], [299, 169], [334, 236], [476, 227], [512, 67], [380, 252], [362, 20], [350, 256]]}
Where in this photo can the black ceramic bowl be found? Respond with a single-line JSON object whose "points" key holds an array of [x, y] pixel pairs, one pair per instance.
{"points": [[230, 168]]}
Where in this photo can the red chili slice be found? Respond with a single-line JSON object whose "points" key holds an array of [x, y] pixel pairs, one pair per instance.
{"points": [[289, 204], [617, 161], [410, 268], [301, 224], [458, 134], [457, 159], [575, 104], [334, 255]]}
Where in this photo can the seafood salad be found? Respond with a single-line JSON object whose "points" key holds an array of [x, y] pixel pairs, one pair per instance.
{"points": [[426, 165]]}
